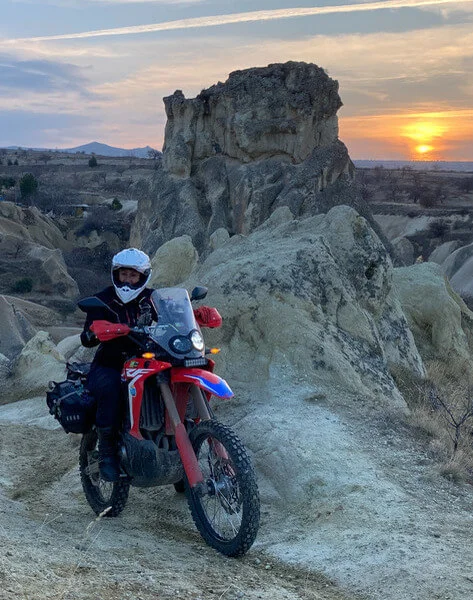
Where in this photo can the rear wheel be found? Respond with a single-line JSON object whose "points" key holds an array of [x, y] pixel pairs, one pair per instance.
{"points": [[100, 494], [226, 509]]}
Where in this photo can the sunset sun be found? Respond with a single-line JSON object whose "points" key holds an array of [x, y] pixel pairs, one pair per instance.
{"points": [[424, 148], [423, 136]]}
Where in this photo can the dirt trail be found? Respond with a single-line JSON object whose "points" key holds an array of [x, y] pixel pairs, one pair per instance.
{"points": [[53, 548], [401, 533]]}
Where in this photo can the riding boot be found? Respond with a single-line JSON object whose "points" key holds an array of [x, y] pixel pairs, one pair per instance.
{"points": [[108, 459]]}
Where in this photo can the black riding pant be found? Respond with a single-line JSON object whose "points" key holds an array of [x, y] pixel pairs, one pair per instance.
{"points": [[105, 386]]}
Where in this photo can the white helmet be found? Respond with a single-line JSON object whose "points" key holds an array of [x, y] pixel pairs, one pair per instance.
{"points": [[131, 258]]}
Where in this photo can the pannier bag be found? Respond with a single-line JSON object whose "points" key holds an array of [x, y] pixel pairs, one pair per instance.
{"points": [[72, 405]]}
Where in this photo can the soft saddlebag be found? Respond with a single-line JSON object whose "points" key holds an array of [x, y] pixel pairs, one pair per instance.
{"points": [[72, 405]]}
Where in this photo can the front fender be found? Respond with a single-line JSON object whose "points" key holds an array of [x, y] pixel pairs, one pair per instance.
{"points": [[204, 379]]}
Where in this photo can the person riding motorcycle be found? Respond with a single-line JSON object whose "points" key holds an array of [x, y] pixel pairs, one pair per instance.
{"points": [[129, 299]]}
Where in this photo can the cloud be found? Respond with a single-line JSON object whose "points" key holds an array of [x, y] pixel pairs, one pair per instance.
{"points": [[38, 75], [84, 3], [246, 17], [53, 50], [20, 127]]}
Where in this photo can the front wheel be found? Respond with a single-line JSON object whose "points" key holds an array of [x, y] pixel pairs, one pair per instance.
{"points": [[100, 494], [226, 509]]}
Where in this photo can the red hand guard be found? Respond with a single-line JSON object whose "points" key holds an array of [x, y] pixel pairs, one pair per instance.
{"points": [[206, 316], [106, 331]]}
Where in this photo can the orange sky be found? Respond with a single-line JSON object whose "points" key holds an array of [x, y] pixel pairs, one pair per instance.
{"points": [[446, 135]]}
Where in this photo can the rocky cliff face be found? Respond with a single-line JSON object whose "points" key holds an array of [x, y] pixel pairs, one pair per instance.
{"points": [[283, 110], [267, 137]]}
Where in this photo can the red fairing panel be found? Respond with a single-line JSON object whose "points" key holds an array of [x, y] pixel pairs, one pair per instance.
{"points": [[204, 379]]}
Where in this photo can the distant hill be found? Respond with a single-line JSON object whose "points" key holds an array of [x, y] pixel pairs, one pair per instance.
{"points": [[97, 148], [420, 165], [106, 150]]}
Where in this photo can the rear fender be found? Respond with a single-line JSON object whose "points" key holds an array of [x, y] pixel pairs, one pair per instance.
{"points": [[206, 380]]}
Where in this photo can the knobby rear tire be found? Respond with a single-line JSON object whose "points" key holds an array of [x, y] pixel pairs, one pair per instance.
{"points": [[100, 494], [227, 513]]}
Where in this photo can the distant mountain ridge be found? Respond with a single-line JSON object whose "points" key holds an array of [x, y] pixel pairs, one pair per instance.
{"points": [[99, 149], [106, 150]]}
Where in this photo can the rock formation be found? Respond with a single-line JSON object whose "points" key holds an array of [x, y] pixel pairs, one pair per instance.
{"points": [[439, 319], [283, 110], [315, 297], [267, 137], [31, 256], [20, 321], [29, 373]]}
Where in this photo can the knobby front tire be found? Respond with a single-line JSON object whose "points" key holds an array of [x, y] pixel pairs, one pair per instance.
{"points": [[100, 494], [226, 511]]}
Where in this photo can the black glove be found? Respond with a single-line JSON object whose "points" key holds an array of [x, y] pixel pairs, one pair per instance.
{"points": [[88, 339]]}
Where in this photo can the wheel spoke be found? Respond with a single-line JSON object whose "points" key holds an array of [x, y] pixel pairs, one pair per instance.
{"points": [[100, 494], [221, 505]]}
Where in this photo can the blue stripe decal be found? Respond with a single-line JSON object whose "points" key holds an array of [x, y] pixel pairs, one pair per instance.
{"points": [[220, 388]]}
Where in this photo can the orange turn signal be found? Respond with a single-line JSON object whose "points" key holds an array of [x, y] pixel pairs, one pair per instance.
{"points": [[148, 355], [214, 350]]}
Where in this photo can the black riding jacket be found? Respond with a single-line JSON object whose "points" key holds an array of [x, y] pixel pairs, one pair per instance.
{"points": [[114, 352]]}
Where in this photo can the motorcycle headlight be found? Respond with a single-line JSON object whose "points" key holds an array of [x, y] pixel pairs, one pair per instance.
{"points": [[181, 344], [197, 340]]}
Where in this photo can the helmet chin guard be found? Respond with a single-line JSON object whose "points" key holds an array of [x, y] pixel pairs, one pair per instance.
{"points": [[131, 258], [127, 293]]}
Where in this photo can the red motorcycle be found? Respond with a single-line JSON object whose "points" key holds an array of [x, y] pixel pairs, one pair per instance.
{"points": [[169, 434]]}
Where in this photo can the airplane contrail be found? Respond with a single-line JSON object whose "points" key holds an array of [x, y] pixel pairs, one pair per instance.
{"points": [[245, 17]]}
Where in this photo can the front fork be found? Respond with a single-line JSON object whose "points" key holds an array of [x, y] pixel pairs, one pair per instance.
{"points": [[186, 451]]}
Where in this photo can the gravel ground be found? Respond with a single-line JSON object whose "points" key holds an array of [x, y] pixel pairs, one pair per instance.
{"points": [[400, 533]]}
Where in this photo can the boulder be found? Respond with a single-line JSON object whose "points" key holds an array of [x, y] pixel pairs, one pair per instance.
{"points": [[71, 348], [458, 267], [31, 254], [39, 316], [30, 225], [52, 274], [311, 297], [441, 323], [15, 327], [311, 329], [396, 226], [37, 364], [404, 250], [218, 238], [173, 262], [440, 254]]}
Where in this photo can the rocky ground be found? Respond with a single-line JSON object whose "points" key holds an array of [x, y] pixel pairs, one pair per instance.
{"points": [[395, 531]]}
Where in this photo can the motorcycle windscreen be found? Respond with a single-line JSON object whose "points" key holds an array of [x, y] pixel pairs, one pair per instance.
{"points": [[176, 323]]}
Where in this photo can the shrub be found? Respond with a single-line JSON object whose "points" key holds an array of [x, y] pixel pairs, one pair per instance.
{"points": [[116, 204], [93, 162], [428, 200], [22, 286], [442, 410], [438, 228], [28, 185], [7, 182]]}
